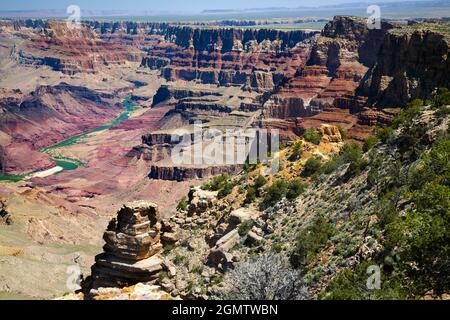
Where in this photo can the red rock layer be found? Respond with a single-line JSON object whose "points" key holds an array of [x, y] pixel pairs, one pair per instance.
{"points": [[76, 50]]}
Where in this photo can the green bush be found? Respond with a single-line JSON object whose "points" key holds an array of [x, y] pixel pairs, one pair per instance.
{"points": [[369, 143], [297, 151], [274, 194], [420, 236], [411, 111], [352, 285], [295, 188], [442, 98], [312, 166], [183, 204], [259, 182], [385, 134], [342, 132], [330, 166], [312, 136], [251, 195], [352, 154], [311, 241], [245, 227], [220, 183], [226, 190]]}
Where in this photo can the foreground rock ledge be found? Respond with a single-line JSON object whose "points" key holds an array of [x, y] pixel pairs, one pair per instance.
{"points": [[131, 253]]}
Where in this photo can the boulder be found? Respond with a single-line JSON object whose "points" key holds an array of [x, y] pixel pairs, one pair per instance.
{"points": [[253, 238], [220, 255], [201, 200], [242, 215], [5, 217]]}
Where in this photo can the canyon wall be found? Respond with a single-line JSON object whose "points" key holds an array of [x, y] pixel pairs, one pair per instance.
{"points": [[259, 59], [411, 64]]}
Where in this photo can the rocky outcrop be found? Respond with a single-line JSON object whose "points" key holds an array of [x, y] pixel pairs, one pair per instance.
{"points": [[5, 217], [166, 93], [181, 173], [71, 51], [338, 60], [132, 247], [200, 201], [411, 64], [258, 59], [330, 134], [228, 39]]}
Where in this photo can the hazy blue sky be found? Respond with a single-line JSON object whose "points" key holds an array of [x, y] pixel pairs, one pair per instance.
{"points": [[166, 5]]}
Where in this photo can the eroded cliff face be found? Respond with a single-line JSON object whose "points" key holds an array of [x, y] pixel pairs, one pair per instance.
{"points": [[314, 79], [411, 64], [72, 50], [324, 88], [259, 59]]}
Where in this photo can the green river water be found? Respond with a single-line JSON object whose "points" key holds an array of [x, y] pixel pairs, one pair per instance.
{"points": [[71, 164]]}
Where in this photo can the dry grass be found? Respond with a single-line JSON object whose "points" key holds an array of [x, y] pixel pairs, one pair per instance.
{"points": [[11, 251]]}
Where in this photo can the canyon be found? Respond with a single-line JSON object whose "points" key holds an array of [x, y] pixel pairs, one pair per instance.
{"points": [[64, 94]]}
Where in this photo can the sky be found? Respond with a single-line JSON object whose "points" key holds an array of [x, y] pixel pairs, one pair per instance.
{"points": [[165, 5]]}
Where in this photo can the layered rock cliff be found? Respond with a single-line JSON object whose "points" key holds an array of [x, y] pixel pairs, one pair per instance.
{"points": [[256, 58], [412, 63], [131, 250], [72, 50]]}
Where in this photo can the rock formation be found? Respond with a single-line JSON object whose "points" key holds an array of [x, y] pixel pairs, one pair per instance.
{"points": [[227, 56], [131, 252], [339, 58], [410, 65], [5, 217], [74, 50]]}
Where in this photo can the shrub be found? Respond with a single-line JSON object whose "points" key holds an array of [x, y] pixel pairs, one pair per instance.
{"points": [[295, 188], [369, 143], [297, 151], [267, 277], [259, 182], [245, 227], [412, 110], [342, 132], [183, 204], [352, 154], [163, 275], [274, 194], [420, 236], [312, 166], [352, 285], [168, 248], [219, 182], [442, 98], [312, 136], [330, 166], [385, 134], [225, 190], [251, 195], [311, 241]]}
